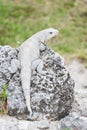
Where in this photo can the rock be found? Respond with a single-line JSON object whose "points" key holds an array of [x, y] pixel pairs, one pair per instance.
{"points": [[44, 124], [42, 47], [51, 93], [73, 121], [15, 64]]}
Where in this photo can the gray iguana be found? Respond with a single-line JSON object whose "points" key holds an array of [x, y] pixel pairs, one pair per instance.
{"points": [[29, 52]]}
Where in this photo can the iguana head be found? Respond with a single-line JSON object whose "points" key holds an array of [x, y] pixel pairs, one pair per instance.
{"points": [[50, 33], [46, 34]]}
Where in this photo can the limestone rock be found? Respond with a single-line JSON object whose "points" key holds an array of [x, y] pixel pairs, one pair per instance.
{"points": [[51, 93]]}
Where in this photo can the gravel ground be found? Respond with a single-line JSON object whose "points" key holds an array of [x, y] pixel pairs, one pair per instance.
{"points": [[79, 74]]}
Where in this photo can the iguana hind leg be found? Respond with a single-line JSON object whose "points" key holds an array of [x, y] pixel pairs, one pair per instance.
{"points": [[29, 106]]}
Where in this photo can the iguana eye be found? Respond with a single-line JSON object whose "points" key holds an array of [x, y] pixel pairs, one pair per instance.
{"points": [[51, 32]]}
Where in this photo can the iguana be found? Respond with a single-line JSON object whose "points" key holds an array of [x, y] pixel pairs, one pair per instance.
{"points": [[29, 51]]}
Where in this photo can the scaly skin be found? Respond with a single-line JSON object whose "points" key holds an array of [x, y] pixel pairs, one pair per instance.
{"points": [[29, 52]]}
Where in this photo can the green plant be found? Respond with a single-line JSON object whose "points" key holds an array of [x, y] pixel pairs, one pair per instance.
{"points": [[4, 92], [66, 129], [3, 96]]}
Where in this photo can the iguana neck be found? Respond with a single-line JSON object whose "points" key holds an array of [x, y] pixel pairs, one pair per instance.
{"points": [[40, 37]]}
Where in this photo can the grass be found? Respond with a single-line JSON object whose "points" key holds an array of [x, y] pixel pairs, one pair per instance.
{"points": [[3, 97], [19, 19]]}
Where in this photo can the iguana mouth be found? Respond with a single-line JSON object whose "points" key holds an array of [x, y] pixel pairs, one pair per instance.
{"points": [[43, 42]]}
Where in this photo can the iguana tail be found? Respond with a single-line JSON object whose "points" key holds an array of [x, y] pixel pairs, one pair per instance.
{"points": [[26, 78]]}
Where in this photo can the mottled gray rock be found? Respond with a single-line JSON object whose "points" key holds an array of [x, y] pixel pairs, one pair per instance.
{"points": [[51, 93], [73, 121], [15, 64]]}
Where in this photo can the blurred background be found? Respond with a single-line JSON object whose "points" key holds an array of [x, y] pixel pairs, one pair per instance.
{"points": [[19, 19]]}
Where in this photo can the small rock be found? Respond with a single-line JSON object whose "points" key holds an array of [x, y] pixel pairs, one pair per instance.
{"points": [[15, 65], [42, 47], [73, 121], [44, 124]]}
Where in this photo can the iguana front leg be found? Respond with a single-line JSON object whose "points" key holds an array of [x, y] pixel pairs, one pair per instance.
{"points": [[38, 65]]}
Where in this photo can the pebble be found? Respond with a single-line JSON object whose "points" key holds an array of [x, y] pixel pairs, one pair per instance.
{"points": [[44, 124]]}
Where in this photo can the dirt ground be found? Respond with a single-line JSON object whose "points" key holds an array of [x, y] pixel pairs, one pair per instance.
{"points": [[79, 74]]}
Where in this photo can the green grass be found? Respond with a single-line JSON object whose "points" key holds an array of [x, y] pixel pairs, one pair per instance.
{"points": [[19, 19], [3, 97]]}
